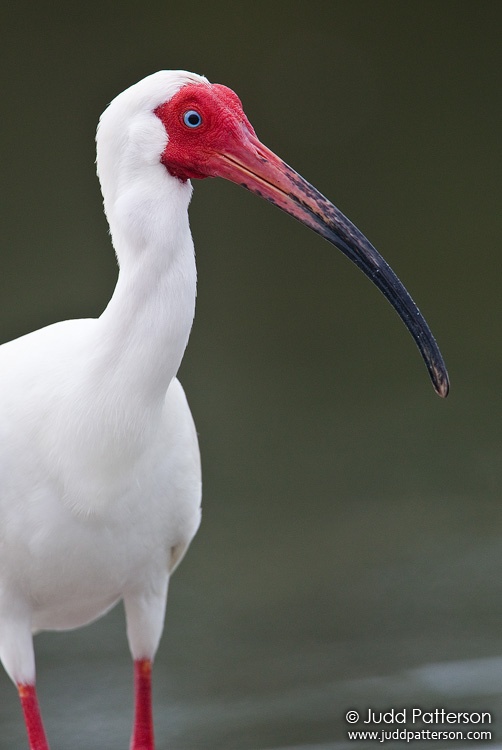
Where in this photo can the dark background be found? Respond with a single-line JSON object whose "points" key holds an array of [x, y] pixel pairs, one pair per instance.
{"points": [[351, 547]]}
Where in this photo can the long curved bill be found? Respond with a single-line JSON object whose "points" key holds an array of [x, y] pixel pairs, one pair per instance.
{"points": [[252, 165]]}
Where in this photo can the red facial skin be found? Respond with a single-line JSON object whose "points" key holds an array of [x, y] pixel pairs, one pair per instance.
{"points": [[225, 145], [190, 151]]}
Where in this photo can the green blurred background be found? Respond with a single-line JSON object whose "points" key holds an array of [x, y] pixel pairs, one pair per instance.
{"points": [[351, 547]]}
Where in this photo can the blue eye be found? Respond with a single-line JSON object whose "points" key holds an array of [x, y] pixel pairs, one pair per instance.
{"points": [[192, 119]]}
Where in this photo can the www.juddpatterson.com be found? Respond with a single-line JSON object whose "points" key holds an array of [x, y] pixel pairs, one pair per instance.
{"points": [[467, 725]]}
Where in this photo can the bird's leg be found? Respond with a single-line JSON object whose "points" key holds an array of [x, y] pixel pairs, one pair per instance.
{"points": [[145, 617], [142, 734], [32, 717]]}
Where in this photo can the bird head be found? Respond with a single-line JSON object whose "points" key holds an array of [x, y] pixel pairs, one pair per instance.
{"points": [[180, 123]]}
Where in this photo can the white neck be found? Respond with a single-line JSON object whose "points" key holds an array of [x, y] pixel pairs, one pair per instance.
{"points": [[144, 330]]}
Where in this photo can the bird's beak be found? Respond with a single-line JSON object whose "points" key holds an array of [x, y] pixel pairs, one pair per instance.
{"points": [[249, 163]]}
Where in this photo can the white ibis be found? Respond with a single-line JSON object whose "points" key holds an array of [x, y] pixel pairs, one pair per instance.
{"points": [[99, 463]]}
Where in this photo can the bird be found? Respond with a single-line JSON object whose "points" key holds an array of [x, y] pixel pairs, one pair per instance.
{"points": [[100, 478]]}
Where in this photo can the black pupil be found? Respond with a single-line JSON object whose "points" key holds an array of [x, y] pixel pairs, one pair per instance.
{"points": [[193, 118]]}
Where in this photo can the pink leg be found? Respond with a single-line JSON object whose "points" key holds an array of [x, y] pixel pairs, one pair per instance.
{"points": [[32, 718], [142, 733]]}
